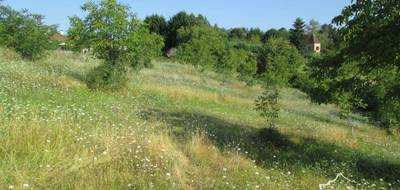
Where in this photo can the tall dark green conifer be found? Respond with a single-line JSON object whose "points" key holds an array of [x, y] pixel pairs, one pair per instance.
{"points": [[297, 34]]}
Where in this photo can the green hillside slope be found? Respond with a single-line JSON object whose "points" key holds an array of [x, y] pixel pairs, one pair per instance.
{"points": [[175, 127]]}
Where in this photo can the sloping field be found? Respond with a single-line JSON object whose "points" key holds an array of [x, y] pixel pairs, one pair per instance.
{"points": [[175, 127]]}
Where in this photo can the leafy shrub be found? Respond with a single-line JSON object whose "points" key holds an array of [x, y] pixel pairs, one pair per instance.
{"points": [[25, 33], [106, 77], [279, 61], [196, 48]]}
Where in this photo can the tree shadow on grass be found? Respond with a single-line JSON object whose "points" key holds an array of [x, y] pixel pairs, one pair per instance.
{"points": [[269, 147]]}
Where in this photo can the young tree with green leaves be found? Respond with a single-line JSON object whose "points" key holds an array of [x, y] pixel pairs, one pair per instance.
{"points": [[278, 63], [116, 36]]}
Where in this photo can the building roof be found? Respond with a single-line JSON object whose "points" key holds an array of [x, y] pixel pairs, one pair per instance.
{"points": [[313, 39], [59, 37]]}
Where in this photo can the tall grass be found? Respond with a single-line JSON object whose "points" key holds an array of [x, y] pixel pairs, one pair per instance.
{"points": [[174, 127]]}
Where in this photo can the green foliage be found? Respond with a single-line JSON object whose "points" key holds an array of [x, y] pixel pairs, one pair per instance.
{"points": [[297, 34], [196, 48], [143, 47], [251, 35], [157, 24], [268, 106], [330, 39], [369, 37], [363, 74], [279, 61], [106, 77], [314, 26], [246, 65], [116, 36], [254, 35], [78, 35], [179, 21], [25, 33], [238, 33], [273, 33]]}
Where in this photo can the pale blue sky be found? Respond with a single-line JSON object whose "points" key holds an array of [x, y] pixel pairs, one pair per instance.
{"points": [[264, 14]]}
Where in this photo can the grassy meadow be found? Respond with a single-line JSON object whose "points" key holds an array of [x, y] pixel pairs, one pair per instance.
{"points": [[175, 127]]}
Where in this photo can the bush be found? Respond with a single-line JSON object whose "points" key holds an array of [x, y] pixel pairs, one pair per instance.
{"points": [[25, 33], [208, 47], [279, 62], [196, 48], [106, 77]]}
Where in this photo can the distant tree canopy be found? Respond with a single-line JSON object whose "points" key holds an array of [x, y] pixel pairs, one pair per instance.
{"points": [[116, 36], [157, 24], [274, 33], [238, 33], [196, 49], [25, 32], [255, 35], [182, 20], [364, 73]]}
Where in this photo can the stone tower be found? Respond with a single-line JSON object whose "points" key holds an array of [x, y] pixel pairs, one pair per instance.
{"points": [[314, 43]]}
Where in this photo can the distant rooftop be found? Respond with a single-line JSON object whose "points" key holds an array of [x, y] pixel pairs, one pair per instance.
{"points": [[313, 39]]}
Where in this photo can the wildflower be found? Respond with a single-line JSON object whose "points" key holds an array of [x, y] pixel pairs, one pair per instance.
{"points": [[168, 174], [11, 187], [26, 185], [105, 153]]}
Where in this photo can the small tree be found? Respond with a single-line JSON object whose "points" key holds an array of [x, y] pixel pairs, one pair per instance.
{"points": [[25, 33], [279, 62], [117, 37], [268, 106], [78, 35]]}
